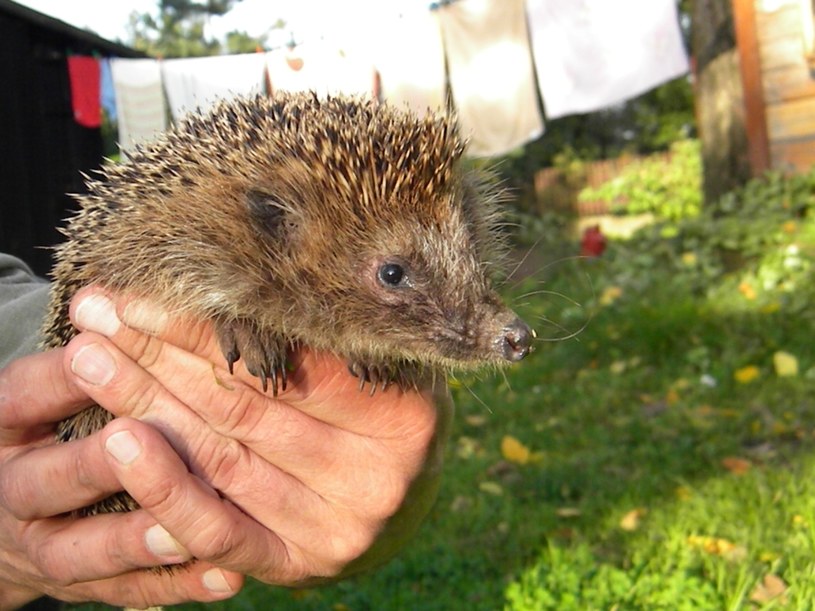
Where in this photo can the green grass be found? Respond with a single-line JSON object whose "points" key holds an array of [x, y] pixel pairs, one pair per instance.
{"points": [[639, 411]]}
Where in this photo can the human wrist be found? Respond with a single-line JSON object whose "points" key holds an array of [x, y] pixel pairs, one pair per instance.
{"points": [[419, 499], [13, 596]]}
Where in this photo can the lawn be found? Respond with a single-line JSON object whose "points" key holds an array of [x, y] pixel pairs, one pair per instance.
{"points": [[656, 451]]}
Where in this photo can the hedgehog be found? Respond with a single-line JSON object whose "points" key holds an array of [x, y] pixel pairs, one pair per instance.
{"points": [[337, 223]]}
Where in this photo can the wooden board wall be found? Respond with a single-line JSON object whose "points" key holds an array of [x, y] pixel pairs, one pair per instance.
{"points": [[788, 85]]}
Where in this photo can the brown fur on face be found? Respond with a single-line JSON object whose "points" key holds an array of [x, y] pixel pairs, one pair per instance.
{"points": [[277, 218]]}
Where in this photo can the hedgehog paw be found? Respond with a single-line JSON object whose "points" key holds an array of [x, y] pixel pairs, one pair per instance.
{"points": [[382, 375], [263, 354]]}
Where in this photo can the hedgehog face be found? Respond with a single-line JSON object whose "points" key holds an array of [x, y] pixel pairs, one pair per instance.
{"points": [[429, 299]]}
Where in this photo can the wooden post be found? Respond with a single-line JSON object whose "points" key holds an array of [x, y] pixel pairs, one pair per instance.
{"points": [[744, 19]]}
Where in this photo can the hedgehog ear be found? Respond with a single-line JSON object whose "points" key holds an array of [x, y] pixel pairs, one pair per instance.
{"points": [[270, 214]]}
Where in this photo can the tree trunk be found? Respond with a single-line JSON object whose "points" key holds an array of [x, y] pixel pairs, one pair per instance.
{"points": [[720, 113]]}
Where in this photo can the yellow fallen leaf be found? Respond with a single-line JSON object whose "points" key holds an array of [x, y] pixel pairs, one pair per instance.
{"points": [[786, 365], [461, 504], [467, 447], [772, 587], [789, 227], [768, 557], [492, 488], [610, 295], [631, 521], [672, 396], [618, 367], [567, 512], [514, 451], [689, 258], [736, 465], [799, 520], [715, 546], [745, 375], [683, 493], [476, 420], [770, 308], [746, 289]]}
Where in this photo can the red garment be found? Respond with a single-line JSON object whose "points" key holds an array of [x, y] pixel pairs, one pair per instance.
{"points": [[83, 73], [593, 243]]}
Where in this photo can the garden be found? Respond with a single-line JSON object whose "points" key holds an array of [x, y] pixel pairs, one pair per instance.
{"points": [[656, 451]]}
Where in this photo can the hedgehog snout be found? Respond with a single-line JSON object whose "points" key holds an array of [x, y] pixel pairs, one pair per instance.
{"points": [[517, 341]]}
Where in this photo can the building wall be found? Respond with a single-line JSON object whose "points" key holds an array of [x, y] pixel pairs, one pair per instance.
{"points": [[43, 149], [788, 76]]}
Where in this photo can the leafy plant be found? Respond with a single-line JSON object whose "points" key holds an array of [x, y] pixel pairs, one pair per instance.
{"points": [[668, 189]]}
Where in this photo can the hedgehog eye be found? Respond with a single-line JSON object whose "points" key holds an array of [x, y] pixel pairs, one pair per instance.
{"points": [[391, 274]]}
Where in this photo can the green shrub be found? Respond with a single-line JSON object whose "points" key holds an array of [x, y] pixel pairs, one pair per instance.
{"points": [[669, 189]]}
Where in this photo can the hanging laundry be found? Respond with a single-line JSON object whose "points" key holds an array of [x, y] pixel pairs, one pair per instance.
{"points": [[410, 59], [593, 54], [322, 68], [107, 94], [491, 74], [139, 100], [199, 82], [83, 74]]}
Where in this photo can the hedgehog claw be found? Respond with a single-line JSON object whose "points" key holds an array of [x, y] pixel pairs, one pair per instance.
{"points": [[273, 372], [231, 358], [263, 354], [378, 376], [264, 381]]}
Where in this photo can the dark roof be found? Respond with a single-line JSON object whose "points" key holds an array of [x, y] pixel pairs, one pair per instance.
{"points": [[85, 37]]}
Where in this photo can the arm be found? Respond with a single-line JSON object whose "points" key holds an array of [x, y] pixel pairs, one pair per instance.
{"points": [[41, 550], [316, 484], [327, 483]]}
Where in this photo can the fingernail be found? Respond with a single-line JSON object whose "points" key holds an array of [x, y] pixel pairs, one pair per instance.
{"points": [[94, 364], [162, 543], [123, 446], [97, 313], [214, 581], [145, 316]]}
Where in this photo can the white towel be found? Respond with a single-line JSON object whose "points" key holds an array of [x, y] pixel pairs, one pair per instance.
{"points": [[321, 68], [410, 60], [199, 82], [491, 74], [139, 100], [593, 54]]}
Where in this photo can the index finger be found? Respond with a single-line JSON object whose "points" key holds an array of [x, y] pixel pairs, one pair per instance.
{"points": [[319, 383], [36, 391], [95, 309]]}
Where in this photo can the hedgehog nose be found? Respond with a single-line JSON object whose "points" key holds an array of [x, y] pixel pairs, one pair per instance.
{"points": [[517, 340]]}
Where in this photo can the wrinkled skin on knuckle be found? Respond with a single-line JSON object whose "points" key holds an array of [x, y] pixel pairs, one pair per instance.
{"points": [[140, 399], [214, 545], [164, 494], [240, 416], [147, 350], [348, 546], [46, 556], [16, 495], [219, 465]]}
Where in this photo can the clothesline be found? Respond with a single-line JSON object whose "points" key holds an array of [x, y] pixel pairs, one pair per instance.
{"points": [[497, 56]]}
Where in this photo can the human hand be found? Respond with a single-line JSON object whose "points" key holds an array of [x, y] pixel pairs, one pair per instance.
{"points": [[317, 483], [45, 551]]}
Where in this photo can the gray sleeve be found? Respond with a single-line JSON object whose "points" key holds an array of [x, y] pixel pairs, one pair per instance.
{"points": [[23, 302]]}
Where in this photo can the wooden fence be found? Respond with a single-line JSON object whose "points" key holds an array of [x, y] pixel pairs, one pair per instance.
{"points": [[557, 189]]}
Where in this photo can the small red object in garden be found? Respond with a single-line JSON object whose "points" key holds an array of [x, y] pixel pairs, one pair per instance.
{"points": [[593, 243]]}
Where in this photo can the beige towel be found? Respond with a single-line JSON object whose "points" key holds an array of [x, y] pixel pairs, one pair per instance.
{"points": [[139, 100], [592, 54], [322, 68], [491, 74], [410, 60], [199, 82]]}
